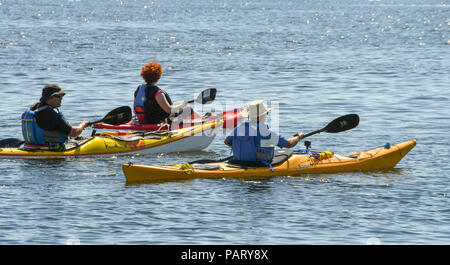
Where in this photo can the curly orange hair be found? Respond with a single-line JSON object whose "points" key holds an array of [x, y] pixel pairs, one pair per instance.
{"points": [[151, 72]]}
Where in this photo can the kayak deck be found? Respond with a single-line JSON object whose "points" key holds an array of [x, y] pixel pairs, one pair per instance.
{"points": [[297, 164]]}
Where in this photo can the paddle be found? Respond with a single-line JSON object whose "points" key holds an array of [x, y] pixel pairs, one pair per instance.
{"points": [[11, 142], [207, 96], [340, 124], [116, 116]]}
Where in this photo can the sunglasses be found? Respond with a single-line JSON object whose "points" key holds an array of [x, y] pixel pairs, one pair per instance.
{"points": [[58, 96]]}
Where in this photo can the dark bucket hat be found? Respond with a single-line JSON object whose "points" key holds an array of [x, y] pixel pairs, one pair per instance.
{"points": [[49, 91]]}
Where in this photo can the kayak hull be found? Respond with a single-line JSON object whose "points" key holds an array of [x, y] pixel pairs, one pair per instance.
{"points": [[230, 119], [297, 164], [186, 139]]}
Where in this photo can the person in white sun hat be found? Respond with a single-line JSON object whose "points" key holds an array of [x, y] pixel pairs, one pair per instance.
{"points": [[253, 141]]}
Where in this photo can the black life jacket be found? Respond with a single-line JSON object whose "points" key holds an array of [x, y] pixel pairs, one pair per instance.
{"points": [[146, 107]]}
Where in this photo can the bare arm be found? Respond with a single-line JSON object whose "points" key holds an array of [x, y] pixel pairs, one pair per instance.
{"points": [[77, 130], [164, 104], [293, 141]]}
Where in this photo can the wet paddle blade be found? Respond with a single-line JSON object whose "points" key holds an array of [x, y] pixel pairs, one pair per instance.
{"points": [[342, 123], [117, 116], [11, 142], [207, 96]]}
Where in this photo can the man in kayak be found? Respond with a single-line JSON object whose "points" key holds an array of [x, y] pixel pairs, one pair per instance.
{"points": [[253, 141], [152, 104], [44, 124]]}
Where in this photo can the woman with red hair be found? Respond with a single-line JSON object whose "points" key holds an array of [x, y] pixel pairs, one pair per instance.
{"points": [[152, 104]]}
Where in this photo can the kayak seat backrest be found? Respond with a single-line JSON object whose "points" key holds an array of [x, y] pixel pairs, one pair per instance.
{"points": [[280, 156], [41, 147], [70, 144]]}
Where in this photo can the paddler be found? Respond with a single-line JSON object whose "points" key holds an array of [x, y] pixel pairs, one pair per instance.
{"points": [[152, 104], [253, 141], [44, 124]]}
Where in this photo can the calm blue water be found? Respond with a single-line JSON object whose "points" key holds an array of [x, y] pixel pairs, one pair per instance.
{"points": [[386, 60]]}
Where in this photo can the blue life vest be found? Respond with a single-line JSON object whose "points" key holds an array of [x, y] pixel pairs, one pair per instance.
{"points": [[34, 134], [139, 100], [247, 147]]}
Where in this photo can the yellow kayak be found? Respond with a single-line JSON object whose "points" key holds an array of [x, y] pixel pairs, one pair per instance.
{"points": [[111, 143], [293, 164]]}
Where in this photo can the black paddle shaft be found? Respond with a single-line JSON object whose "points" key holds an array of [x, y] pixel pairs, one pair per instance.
{"points": [[340, 124]]}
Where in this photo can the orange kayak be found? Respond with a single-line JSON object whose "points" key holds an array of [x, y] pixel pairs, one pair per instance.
{"points": [[293, 164]]}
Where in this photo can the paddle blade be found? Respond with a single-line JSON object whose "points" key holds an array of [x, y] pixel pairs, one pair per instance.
{"points": [[342, 123], [11, 142], [207, 96], [118, 116]]}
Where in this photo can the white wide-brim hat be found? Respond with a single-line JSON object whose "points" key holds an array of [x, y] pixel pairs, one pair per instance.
{"points": [[256, 109]]}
